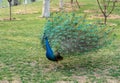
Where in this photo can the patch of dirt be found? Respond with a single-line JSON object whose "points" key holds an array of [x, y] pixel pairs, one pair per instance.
{"points": [[68, 4], [55, 9], [71, 9], [108, 23], [4, 81], [81, 79], [64, 82], [50, 68], [1, 65], [8, 19], [85, 79], [16, 81], [25, 12], [113, 81], [112, 16], [68, 7], [90, 11]]}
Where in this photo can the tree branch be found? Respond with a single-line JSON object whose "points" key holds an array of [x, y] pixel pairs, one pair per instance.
{"points": [[112, 8], [77, 3], [108, 3], [101, 8]]}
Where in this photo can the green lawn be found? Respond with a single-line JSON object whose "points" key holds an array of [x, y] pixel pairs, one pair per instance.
{"points": [[22, 58]]}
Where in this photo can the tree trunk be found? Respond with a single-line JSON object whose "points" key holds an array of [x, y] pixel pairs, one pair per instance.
{"points": [[71, 1], [0, 3], [105, 20], [46, 8], [61, 4], [15, 2], [33, 0], [10, 10]]}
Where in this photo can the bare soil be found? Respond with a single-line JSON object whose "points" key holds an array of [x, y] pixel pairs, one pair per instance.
{"points": [[7, 19], [112, 16]]}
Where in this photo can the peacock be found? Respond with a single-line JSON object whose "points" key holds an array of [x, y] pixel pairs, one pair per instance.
{"points": [[49, 52]]}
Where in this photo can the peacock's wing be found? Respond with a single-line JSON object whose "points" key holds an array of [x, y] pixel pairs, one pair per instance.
{"points": [[49, 52]]}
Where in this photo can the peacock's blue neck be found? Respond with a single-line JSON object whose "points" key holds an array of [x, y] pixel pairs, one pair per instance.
{"points": [[49, 51]]}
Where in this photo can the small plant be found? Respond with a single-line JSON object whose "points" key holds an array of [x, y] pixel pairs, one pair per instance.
{"points": [[74, 34]]}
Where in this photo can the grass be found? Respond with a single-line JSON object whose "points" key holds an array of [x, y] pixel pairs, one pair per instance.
{"points": [[22, 58]]}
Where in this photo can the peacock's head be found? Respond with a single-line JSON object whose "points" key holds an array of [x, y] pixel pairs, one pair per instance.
{"points": [[44, 36]]}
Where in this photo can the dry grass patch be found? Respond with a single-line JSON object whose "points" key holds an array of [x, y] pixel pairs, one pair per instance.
{"points": [[64, 82], [25, 12], [112, 16], [113, 81], [90, 11], [4, 81], [7, 19], [68, 7], [80, 79]]}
